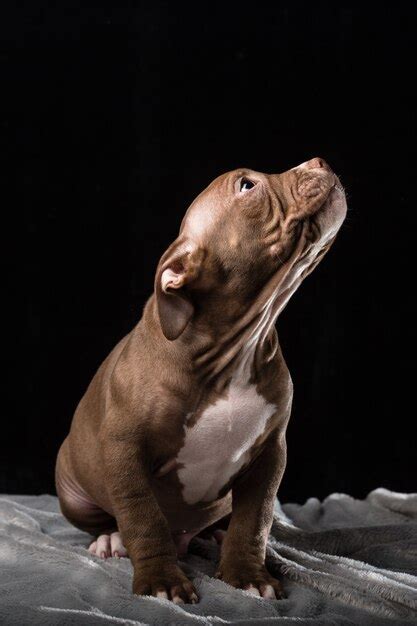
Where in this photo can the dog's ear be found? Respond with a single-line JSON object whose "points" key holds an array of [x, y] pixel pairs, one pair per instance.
{"points": [[177, 270]]}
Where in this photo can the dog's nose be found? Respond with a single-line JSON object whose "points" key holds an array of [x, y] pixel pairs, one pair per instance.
{"points": [[317, 162]]}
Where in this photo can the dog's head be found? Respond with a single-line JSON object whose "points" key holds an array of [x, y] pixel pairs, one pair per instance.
{"points": [[246, 237]]}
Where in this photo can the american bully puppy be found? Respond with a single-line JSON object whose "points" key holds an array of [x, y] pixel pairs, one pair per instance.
{"points": [[182, 428]]}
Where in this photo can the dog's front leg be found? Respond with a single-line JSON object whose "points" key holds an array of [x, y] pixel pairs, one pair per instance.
{"points": [[144, 529], [242, 562]]}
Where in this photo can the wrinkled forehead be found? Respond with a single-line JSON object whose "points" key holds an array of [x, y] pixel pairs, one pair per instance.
{"points": [[214, 202], [205, 210]]}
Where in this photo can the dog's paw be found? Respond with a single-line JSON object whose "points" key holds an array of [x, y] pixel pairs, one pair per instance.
{"points": [[167, 582], [257, 581], [108, 545], [215, 536]]}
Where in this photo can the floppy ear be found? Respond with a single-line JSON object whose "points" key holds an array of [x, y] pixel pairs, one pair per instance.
{"points": [[178, 267]]}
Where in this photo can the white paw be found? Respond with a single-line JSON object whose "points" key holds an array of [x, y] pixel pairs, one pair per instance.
{"points": [[108, 545], [253, 590], [262, 591]]}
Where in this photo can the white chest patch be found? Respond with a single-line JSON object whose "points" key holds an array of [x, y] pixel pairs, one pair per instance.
{"points": [[218, 445]]}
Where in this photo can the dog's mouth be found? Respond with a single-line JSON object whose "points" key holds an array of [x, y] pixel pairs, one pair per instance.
{"points": [[336, 188], [338, 185], [331, 214]]}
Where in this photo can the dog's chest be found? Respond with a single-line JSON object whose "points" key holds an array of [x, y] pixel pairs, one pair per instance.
{"points": [[219, 443]]}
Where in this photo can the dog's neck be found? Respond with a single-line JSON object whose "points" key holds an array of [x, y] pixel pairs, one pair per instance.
{"points": [[213, 355], [242, 350], [214, 352]]}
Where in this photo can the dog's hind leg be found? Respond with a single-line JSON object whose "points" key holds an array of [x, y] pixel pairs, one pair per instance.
{"points": [[79, 509]]}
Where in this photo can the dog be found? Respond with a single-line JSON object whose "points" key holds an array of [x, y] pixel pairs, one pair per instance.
{"points": [[182, 429]]}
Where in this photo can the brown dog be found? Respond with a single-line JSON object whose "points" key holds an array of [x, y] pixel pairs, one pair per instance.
{"points": [[183, 426]]}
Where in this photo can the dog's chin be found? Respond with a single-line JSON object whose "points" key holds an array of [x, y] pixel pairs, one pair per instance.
{"points": [[331, 214]]}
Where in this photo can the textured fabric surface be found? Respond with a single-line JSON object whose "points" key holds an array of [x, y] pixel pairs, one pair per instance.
{"points": [[342, 561]]}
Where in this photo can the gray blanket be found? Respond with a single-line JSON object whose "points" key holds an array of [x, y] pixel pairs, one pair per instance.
{"points": [[342, 561]]}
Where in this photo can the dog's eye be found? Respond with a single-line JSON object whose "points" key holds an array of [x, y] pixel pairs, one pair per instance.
{"points": [[246, 184]]}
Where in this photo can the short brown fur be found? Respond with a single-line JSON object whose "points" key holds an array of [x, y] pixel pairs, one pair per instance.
{"points": [[240, 255]]}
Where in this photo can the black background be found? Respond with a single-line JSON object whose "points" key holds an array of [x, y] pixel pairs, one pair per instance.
{"points": [[119, 116]]}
